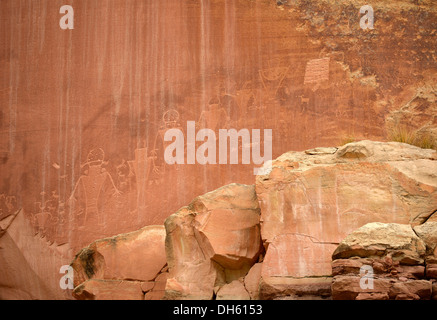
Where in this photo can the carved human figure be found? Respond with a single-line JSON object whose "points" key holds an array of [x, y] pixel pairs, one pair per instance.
{"points": [[91, 187], [170, 120], [215, 117], [47, 216]]}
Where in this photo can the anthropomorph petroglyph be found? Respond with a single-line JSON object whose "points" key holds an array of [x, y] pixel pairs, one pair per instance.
{"points": [[91, 186]]}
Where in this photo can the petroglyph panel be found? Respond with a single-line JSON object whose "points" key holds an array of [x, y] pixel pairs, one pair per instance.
{"points": [[84, 111]]}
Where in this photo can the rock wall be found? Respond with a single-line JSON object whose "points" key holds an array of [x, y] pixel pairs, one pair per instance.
{"points": [[83, 112]]}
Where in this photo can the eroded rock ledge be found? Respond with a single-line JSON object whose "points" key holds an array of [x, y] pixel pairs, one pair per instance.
{"points": [[303, 231], [402, 264]]}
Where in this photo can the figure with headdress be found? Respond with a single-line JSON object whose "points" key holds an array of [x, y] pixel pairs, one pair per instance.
{"points": [[91, 188], [170, 120]]}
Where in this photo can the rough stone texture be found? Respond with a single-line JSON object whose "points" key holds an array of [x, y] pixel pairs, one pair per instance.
{"points": [[393, 261], [348, 287], [311, 200], [380, 239], [362, 182], [297, 255], [252, 280], [281, 288], [431, 267], [158, 291], [128, 266], [233, 291], [372, 296], [273, 68], [428, 233], [215, 239], [29, 264], [411, 290], [139, 255], [97, 289]]}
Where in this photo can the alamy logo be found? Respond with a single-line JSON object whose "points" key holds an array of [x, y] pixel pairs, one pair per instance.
{"points": [[67, 21], [366, 281], [206, 153]]}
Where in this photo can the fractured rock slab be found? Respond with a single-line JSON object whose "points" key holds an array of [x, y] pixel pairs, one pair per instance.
{"points": [[215, 240], [139, 255]]}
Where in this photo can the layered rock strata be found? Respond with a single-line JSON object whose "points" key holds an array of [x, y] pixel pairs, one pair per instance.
{"points": [[383, 261]]}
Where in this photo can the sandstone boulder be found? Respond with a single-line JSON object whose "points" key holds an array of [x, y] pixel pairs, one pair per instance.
{"points": [[214, 240], [30, 265], [411, 290], [65, 92], [379, 239], [98, 289], [310, 201], [327, 196], [434, 290], [428, 233], [252, 280], [288, 288], [297, 255], [139, 255]]}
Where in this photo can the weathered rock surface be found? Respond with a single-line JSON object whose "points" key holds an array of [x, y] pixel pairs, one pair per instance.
{"points": [[379, 262], [158, 290], [428, 233], [362, 182], [310, 201], [98, 289], [29, 264], [252, 280], [212, 246], [233, 291], [381, 239], [213, 241], [297, 255], [139, 255], [132, 264]]}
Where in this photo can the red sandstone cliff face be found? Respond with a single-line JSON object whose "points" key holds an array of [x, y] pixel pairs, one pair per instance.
{"points": [[83, 111]]}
